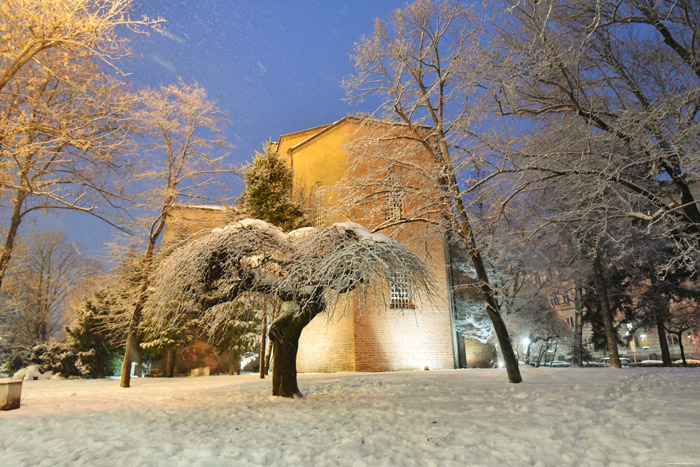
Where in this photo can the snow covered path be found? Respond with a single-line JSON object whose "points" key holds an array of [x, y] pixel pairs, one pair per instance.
{"points": [[577, 417]]}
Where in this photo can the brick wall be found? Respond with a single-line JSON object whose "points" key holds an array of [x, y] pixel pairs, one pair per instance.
{"points": [[327, 345]]}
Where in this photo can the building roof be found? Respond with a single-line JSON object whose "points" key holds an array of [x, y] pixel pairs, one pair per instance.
{"points": [[317, 132]]}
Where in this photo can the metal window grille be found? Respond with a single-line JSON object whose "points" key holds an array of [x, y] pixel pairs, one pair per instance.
{"points": [[320, 215], [400, 290], [394, 205], [396, 192]]}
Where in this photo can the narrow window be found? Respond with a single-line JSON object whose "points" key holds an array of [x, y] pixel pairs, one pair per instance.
{"points": [[565, 297], [396, 192], [401, 296], [555, 299], [319, 215]]}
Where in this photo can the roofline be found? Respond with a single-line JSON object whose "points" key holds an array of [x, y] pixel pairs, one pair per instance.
{"points": [[325, 129]]}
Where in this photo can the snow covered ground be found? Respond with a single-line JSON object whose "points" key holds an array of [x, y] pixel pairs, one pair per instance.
{"points": [[577, 417]]}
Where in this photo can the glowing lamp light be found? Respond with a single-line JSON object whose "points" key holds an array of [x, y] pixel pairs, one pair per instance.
{"points": [[526, 341]]}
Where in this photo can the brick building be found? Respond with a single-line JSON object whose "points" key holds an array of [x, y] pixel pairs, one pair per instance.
{"points": [[409, 333], [412, 333]]}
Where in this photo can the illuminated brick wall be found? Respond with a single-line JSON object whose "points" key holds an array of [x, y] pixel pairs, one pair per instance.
{"points": [[376, 338]]}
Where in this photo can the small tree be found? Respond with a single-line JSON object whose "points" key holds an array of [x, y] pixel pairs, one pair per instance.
{"points": [[182, 130], [268, 189], [308, 270], [684, 316], [89, 336]]}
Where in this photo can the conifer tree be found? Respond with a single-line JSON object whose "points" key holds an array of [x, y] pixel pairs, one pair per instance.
{"points": [[267, 195]]}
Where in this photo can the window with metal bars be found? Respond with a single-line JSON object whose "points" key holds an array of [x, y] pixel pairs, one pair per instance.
{"points": [[394, 197], [400, 289], [319, 215]]}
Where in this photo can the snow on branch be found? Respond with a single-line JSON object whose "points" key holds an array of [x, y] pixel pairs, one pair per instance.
{"points": [[304, 266]]}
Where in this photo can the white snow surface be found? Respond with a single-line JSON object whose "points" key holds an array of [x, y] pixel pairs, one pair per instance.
{"points": [[556, 417], [363, 234]]}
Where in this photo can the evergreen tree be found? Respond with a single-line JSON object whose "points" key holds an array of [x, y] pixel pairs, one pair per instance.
{"points": [[267, 195], [89, 337]]}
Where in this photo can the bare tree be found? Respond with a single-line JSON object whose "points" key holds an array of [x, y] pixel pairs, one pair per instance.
{"points": [[684, 316], [63, 146], [183, 153], [61, 131], [51, 32], [310, 270], [41, 279], [606, 96], [420, 64]]}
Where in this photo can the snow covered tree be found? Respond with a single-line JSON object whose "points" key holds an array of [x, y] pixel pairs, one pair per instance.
{"points": [[421, 64], [268, 188], [309, 270], [604, 97], [89, 336], [184, 145], [62, 133], [51, 32]]}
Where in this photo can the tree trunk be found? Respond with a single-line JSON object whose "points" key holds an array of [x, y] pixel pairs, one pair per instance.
{"points": [[606, 311], [262, 344], [578, 324], [132, 340], [15, 221], [268, 357], [659, 317], [680, 346], [285, 332], [170, 364]]}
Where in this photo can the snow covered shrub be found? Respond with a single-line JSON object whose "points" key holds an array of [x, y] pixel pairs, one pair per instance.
{"points": [[15, 360], [57, 357]]}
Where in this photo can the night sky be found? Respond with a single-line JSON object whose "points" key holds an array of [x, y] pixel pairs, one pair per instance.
{"points": [[274, 67]]}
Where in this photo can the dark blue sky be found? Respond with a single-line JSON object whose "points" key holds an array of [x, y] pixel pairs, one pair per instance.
{"points": [[274, 67]]}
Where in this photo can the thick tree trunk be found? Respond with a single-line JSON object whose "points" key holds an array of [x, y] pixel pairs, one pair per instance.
{"points": [[606, 311], [285, 332], [284, 375], [578, 324], [665, 353], [263, 326]]}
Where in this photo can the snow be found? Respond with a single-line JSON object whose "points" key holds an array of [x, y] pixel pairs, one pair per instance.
{"points": [[363, 234], [582, 417], [29, 373], [252, 223]]}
